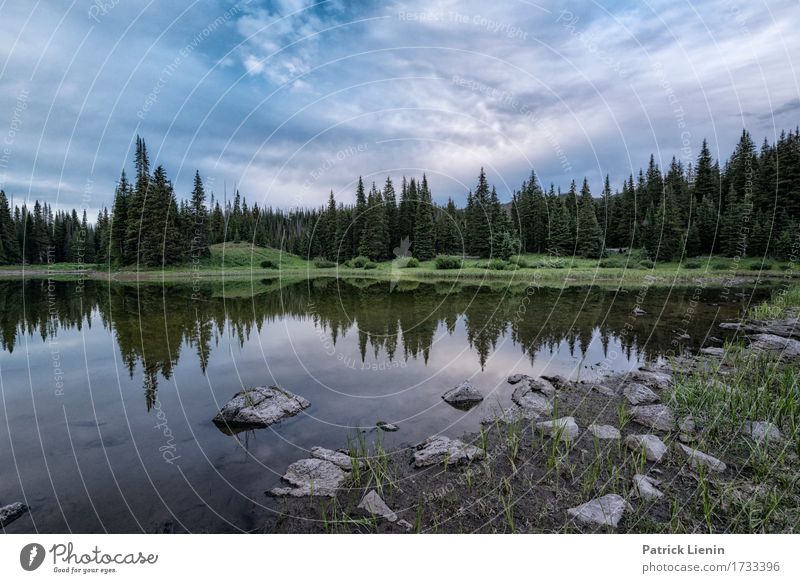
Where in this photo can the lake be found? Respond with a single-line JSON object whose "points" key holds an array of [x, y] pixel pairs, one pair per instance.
{"points": [[108, 389]]}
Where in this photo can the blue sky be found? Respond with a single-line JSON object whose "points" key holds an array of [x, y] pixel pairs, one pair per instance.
{"points": [[290, 99]]}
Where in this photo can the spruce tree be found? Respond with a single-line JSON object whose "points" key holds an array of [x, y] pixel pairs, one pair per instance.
{"points": [[424, 247], [198, 219], [589, 236]]}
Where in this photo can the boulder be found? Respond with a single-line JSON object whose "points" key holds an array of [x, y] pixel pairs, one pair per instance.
{"points": [[604, 390], [259, 407], [516, 378], [604, 511], [563, 428], [687, 424], [439, 449], [11, 512], [532, 403], [788, 327], [464, 396], [659, 417], [645, 487], [604, 431], [654, 449], [713, 351], [375, 506], [639, 394], [338, 458], [762, 431], [384, 426], [787, 348], [658, 379], [697, 458], [312, 477]]}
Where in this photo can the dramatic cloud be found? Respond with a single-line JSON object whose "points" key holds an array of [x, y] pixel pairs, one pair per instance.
{"points": [[287, 100]]}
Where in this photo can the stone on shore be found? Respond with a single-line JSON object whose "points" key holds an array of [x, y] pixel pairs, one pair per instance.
{"points": [[464, 396], [312, 477], [604, 431], [338, 458], [604, 511], [516, 378], [659, 417], [604, 390], [532, 403], [654, 449], [697, 458], [788, 327], [260, 407], [652, 378], [439, 449], [713, 351], [563, 428], [11, 512], [762, 431], [645, 487], [374, 505], [787, 348], [385, 426], [639, 394]]}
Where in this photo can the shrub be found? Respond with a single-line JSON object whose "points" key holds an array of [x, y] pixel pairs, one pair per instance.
{"points": [[497, 264], [447, 262], [647, 264], [370, 265], [323, 263], [693, 264], [720, 265], [269, 264], [359, 261], [519, 261], [758, 266], [615, 263], [554, 263], [412, 262]]}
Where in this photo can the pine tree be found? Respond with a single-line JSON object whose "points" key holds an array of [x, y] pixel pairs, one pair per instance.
{"points": [[198, 221], [118, 229], [9, 245], [589, 236], [373, 243], [478, 228], [424, 247]]}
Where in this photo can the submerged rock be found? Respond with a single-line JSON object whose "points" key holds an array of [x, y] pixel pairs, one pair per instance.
{"points": [[374, 505], [645, 487], [385, 426], [697, 458], [11, 512], [654, 449], [439, 449], [762, 431], [338, 458], [639, 394], [312, 477], [604, 431], [604, 511], [259, 407], [464, 396], [532, 403], [562, 428], [658, 417]]}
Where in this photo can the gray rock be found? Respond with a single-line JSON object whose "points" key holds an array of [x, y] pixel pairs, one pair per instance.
{"points": [[11, 512], [604, 431], [259, 407], [438, 449], [563, 428], [312, 477], [516, 378], [687, 424], [714, 351], [507, 415], [556, 381], [604, 390], [384, 426], [464, 396], [788, 328], [639, 394], [697, 458], [762, 431], [374, 505], [654, 449], [532, 403], [637, 311], [338, 458], [645, 487], [787, 348], [604, 511], [544, 386], [659, 417], [658, 379]]}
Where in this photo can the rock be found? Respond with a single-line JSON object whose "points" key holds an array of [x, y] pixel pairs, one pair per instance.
{"points": [[698, 458], [312, 477], [338, 458], [788, 328], [715, 340], [658, 417], [645, 487], [654, 449], [604, 431], [259, 407], [438, 449], [604, 390], [563, 428], [374, 505], [714, 351], [384, 426], [659, 380], [507, 415], [405, 524], [604, 511], [516, 378], [464, 396], [639, 394], [771, 343], [762, 431], [637, 311], [556, 381], [687, 424], [533, 404], [544, 386], [11, 512]]}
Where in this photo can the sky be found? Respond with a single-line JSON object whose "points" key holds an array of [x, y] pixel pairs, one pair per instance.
{"points": [[290, 99]]}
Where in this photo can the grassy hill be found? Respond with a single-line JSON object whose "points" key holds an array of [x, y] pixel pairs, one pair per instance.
{"points": [[247, 256]]}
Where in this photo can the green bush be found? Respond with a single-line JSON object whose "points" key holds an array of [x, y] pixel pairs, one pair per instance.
{"points": [[323, 263], [519, 261], [498, 264], [412, 262], [720, 265], [647, 264], [269, 264], [554, 263], [447, 262], [758, 266], [359, 261], [611, 263], [370, 265], [693, 264]]}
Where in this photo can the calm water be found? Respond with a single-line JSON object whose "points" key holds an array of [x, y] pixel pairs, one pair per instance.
{"points": [[108, 390]]}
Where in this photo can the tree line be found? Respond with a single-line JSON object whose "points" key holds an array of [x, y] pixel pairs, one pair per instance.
{"points": [[748, 205]]}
